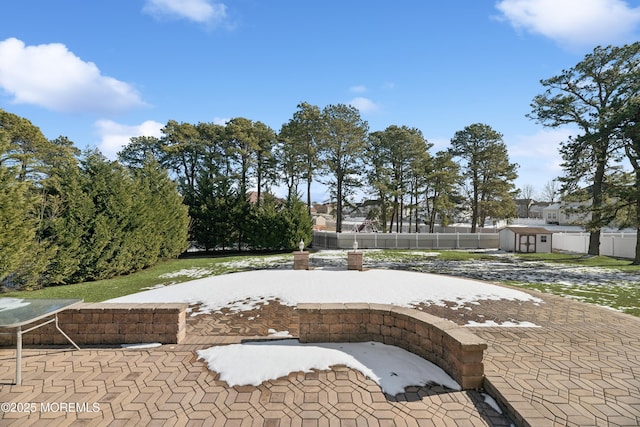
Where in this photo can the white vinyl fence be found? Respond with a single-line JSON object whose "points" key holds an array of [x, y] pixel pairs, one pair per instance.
{"points": [[621, 245], [611, 244], [332, 240]]}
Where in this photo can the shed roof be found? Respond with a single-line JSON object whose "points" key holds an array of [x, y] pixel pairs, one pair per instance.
{"points": [[528, 230]]}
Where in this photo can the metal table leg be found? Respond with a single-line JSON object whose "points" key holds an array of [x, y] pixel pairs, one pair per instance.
{"points": [[18, 355], [19, 333]]}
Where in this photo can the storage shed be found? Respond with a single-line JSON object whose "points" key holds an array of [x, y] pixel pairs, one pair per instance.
{"points": [[525, 239]]}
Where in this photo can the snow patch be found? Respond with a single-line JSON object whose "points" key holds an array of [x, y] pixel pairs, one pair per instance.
{"points": [[274, 333], [508, 324], [391, 367], [194, 273], [140, 346], [492, 402], [246, 291]]}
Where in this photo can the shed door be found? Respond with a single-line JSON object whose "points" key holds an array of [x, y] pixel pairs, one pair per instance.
{"points": [[527, 243]]}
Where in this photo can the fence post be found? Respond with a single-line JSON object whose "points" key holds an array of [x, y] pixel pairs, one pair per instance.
{"points": [[613, 245], [437, 240]]}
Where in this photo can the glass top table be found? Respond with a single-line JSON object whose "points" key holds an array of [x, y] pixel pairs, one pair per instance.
{"points": [[16, 313]]}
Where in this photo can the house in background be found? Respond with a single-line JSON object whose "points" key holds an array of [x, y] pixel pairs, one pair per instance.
{"points": [[535, 211], [322, 216], [561, 214], [529, 208], [523, 207], [552, 214], [525, 239]]}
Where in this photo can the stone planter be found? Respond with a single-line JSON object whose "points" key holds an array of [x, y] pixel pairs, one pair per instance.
{"points": [[354, 260], [301, 260]]}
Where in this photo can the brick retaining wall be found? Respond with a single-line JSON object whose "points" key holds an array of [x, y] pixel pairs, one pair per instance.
{"points": [[110, 324], [453, 348]]}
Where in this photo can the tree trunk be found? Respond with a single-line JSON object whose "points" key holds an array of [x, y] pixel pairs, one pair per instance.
{"points": [[433, 213], [416, 195], [393, 213], [636, 260], [259, 177], [290, 185], [383, 211], [339, 204], [474, 211], [596, 207], [410, 211], [594, 242], [309, 193]]}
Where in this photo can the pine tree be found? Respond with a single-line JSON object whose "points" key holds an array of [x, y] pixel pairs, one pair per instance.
{"points": [[25, 159], [488, 171], [398, 157], [298, 224], [341, 150], [299, 155], [589, 95], [441, 189], [17, 226]]}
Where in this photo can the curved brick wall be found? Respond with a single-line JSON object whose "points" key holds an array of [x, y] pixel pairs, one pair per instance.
{"points": [[455, 349]]}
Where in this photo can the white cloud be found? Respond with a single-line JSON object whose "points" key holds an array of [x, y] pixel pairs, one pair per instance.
{"points": [[50, 76], [222, 121], [542, 144], [201, 11], [365, 105], [538, 154], [439, 144], [574, 23], [114, 136], [358, 89]]}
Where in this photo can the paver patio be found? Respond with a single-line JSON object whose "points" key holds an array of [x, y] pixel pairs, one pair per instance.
{"points": [[581, 367]]}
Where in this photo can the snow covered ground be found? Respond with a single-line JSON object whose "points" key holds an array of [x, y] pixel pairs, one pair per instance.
{"points": [[505, 267], [394, 280], [244, 291], [391, 367]]}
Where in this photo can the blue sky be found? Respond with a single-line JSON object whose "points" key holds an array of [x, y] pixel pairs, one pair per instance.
{"points": [[100, 72]]}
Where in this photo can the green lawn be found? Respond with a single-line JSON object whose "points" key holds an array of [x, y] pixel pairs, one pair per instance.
{"points": [[124, 285], [583, 260], [408, 255], [624, 296]]}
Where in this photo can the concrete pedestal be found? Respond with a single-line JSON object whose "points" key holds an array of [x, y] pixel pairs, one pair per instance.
{"points": [[301, 260], [354, 261]]}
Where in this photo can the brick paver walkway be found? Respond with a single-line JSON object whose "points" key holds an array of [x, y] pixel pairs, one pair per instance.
{"points": [[581, 367]]}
